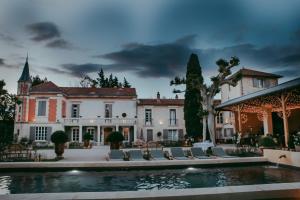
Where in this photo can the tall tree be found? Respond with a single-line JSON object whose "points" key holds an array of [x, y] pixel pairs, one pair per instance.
{"points": [[126, 84], [7, 113], [193, 110], [101, 78], [208, 92], [36, 80]]}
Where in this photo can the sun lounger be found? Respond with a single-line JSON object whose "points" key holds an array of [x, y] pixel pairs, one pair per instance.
{"points": [[116, 155], [135, 155], [218, 151], [197, 152], [178, 154], [157, 154]]}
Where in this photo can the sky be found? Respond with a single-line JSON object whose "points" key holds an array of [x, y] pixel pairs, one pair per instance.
{"points": [[148, 42]]}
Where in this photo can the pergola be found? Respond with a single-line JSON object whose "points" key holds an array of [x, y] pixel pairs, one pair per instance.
{"points": [[280, 99]]}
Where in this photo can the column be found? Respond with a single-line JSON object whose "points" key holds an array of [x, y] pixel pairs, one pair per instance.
{"points": [[98, 135], [134, 133], [102, 135], [239, 119], [268, 123], [117, 127], [80, 133]]}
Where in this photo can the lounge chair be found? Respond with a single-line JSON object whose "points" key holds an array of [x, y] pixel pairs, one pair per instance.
{"points": [[218, 151], [197, 152], [157, 154], [116, 155], [135, 155], [178, 154]]}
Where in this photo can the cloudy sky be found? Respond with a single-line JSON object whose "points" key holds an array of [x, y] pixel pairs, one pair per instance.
{"points": [[148, 42]]}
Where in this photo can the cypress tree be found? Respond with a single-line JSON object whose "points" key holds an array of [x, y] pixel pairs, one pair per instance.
{"points": [[126, 83], [193, 101]]}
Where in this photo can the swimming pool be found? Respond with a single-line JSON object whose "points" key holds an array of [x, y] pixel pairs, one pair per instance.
{"points": [[136, 180]]}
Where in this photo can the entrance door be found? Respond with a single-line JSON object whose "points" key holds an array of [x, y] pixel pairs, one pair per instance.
{"points": [[149, 135], [107, 131]]}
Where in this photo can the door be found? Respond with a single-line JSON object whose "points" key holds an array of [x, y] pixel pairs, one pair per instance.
{"points": [[149, 135], [107, 131]]}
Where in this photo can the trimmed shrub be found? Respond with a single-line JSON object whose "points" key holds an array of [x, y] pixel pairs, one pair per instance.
{"points": [[87, 136], [59, 137], [115, 137], [266, 141]]}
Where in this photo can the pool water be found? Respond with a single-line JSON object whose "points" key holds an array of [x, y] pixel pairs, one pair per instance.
{"points": [[101, 181]]}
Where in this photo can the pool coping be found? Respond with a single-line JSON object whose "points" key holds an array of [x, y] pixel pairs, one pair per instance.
{"points": [[245, 192], [130, 164]]}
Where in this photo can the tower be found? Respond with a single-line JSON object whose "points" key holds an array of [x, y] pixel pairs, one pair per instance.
{"points": [[24, 82]]}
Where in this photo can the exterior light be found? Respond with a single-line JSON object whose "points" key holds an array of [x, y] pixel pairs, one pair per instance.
{"points": [[160, 122]]}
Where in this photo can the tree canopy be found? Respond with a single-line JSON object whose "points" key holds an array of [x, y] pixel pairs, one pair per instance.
{"points": [[36, 80], [102, 81]]}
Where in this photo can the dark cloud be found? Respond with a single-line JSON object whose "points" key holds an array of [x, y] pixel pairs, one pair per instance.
{"points": [[5, 65], [159, 60], [60, 44], [43, 31], [77, 70]]}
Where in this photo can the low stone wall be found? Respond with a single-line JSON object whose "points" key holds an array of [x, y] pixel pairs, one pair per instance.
{"points": [[291, 158]]}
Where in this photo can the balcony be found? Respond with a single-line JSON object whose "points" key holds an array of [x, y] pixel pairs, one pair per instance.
{"points": [[99, 121]]}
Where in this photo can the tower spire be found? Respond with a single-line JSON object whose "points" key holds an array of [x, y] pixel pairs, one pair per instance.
{"points": [[25, 77]]}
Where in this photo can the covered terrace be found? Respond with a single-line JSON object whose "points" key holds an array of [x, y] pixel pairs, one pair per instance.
{"points": [[283, 99]]}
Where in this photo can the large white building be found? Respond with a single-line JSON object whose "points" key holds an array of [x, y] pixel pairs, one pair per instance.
{"points": [[46, 108]]}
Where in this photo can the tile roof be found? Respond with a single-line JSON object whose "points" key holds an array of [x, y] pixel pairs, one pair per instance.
{"points": [[250, 72], [50, 87], [161, 102]]}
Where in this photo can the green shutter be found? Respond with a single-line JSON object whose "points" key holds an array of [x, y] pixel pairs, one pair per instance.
{"points": [[49, 133], [180, 134], [32, 133], [165, 134]]}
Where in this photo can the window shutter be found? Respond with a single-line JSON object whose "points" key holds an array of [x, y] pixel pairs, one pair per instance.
{"points": [[78, 111], [49, 133], [110, 110], [180, 134], [165, 134], [32, 133]]}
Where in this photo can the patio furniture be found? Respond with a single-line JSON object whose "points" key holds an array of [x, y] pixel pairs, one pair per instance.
{"points": [[135, 155], [178, 154], [198, 153], [203, 145], [157, 154], [116, 155], [218, 151]]}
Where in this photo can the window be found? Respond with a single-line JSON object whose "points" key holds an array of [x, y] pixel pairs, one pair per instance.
{"points": [[92, 132], [258, 82], [173, 135], [126, 134], [42, 108], [173, 117], [108, 111], [228, 132], [148, 116], [75, 134], [40, 133], [75, 111], [220, 118]]}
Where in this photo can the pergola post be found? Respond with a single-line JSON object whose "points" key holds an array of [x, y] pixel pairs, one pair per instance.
{"points": [[267, 121], [285, 119]]}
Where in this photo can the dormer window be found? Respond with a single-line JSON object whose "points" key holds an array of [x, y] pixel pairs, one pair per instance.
{"points": [[258, 83]]}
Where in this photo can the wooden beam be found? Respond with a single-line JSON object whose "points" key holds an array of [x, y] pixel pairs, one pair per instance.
{"points": [[285, 119]]}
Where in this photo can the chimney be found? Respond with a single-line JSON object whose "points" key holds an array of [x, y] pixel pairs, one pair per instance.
{"points": [[176, 96], [158, 95]]}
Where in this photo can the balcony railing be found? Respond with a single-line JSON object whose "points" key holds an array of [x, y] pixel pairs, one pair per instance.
{"points": [[99, 121], [148, 122]]}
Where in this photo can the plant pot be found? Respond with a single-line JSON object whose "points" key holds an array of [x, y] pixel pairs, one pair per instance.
{"points": [[115, 145], [86, 143], [59, 150], [297, 148]]}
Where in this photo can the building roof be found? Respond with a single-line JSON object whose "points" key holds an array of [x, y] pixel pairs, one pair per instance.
{"points": [[50, 87], [25, 76], [287, 86], [253, 73], [161, 102]]}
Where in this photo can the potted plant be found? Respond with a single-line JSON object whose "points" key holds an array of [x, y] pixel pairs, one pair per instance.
{"points": [[266, 142], [115, 138], [86, 138], [297, 141], [59, 138]]}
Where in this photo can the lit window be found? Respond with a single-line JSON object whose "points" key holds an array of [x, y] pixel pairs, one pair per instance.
{"points": [[40, 133], [126, 134], [220, 118]]}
